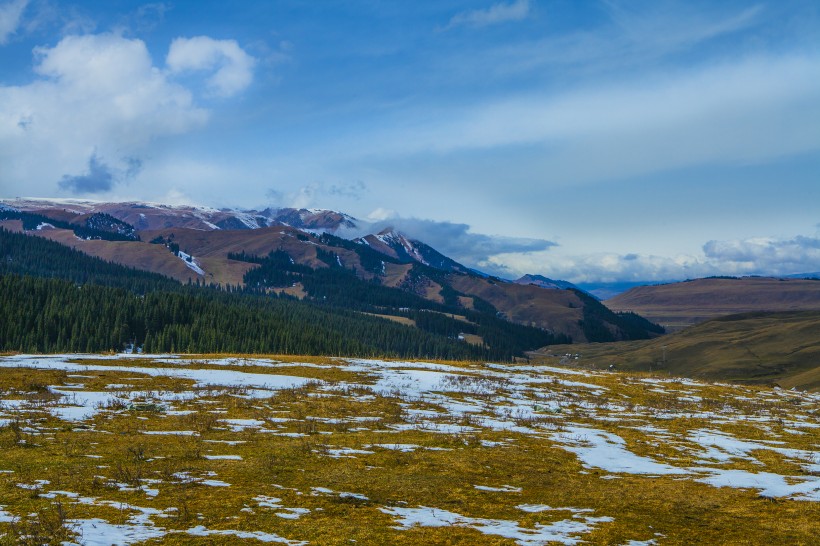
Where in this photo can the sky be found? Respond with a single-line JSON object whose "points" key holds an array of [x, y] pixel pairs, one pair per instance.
{"points": [[593, 141]]}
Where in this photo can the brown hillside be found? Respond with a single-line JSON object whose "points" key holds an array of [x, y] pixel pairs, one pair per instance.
{"points": [[212, 248], [781, 348], [556, 310], [678, 305], [12, 225], [135, 254]]}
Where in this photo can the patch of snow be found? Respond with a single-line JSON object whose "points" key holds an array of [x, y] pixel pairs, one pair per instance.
{"points": [[189, 260], [769, 485], [344, 452], [238, 425], [98, 532], [536, 508], [170, 432], [215, 483], [201, 531], [564, 531], [502, 489], [604, 450]]}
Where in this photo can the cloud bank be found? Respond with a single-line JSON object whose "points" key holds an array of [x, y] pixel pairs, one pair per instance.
{"points": [[753, 256]]}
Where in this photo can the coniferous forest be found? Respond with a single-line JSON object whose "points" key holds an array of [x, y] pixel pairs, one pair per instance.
{"points": [[56, 299]]}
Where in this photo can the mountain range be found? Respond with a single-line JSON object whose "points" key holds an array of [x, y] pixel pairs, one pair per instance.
{"points": [[294, 253]]}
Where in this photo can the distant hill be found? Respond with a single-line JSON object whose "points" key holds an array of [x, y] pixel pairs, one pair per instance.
{"points": [[767, 348], [544, 282], [678, 305], [607, 290]]}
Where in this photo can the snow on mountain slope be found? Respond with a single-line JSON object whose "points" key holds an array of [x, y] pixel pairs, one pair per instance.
{"points": [[152, 216], [397, 245], [544, 282]]}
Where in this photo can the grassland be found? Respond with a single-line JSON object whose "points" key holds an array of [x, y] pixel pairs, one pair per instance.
{"points": [[226, 450], [760, 348]]}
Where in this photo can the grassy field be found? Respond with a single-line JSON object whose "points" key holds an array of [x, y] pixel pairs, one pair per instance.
{"points": [[224, 450], [762, 348]]}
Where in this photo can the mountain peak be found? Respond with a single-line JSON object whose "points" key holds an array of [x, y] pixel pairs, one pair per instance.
{"points": [[545, 282]]}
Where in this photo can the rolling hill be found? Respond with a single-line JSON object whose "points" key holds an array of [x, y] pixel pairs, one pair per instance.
{"points": [[678, 305], [780, 348]]}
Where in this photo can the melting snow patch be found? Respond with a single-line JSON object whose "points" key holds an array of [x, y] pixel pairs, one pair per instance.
{"points": [[215, 483], [273, 503], [769, 485], [407, 448], [170, 432], [201, 531], [604, 450], [564, 531], [345, 452], [238, 425], [536, 508], [98, 532], [316, 491], [5, 517], [502, 489]]}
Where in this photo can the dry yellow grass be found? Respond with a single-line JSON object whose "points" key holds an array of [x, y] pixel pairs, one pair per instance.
{"points": [[354, 441]]}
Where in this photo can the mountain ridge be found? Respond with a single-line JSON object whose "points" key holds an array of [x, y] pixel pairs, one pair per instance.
{"points": [[389, 259]]}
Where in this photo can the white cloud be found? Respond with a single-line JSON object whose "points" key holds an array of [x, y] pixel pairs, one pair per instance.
{"points": [[497, 13], [317, 194], [232, 68], [381, 214], [11, 13], [767, 255], [98, 100], [600, 267], [753, 256]]}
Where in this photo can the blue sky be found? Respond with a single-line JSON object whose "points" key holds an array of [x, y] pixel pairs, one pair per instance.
{"points": [[584, 140]]}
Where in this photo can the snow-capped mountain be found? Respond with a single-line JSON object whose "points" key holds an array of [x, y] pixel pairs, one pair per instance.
{"points": [[231, 247], [152, 216], [397, 245]]}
